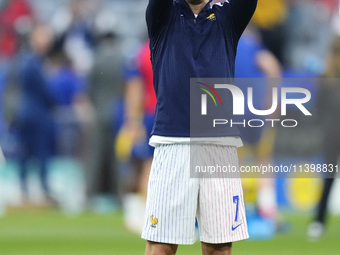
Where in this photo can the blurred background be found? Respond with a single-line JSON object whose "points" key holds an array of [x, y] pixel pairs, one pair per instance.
{"points": [[77, 107]]}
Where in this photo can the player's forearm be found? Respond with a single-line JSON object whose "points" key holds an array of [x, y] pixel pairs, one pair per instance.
{"points": [[134, 100], [269, 64]]}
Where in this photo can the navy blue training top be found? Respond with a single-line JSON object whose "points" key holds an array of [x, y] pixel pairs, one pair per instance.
{"points": [[183, 47]]}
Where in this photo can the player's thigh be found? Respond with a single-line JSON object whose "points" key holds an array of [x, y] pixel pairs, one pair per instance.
{"points": [[221, 213], [172, 197]]}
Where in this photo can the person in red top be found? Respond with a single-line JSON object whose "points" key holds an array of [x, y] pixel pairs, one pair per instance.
{"points": [[9, 15], [145, 69]]}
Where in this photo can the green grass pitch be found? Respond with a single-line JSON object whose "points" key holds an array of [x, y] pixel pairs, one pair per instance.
{"points": [[51, 233]]}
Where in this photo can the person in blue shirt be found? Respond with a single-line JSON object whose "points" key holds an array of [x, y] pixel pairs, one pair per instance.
{"points": [[2, 83], [254, 61], [66, 86], [2, 88], [192, 39], [35, 123]]}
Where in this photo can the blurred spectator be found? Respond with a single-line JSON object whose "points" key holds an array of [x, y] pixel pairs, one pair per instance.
{"points": [[105, 90], [34, 122], [66, 86], [328, 102], [333, 5], [270, 16], [2, 86], [2, 158], [2, 83], [12, 15], [140, 105], [256, 62], [75, 24], [309, 35]]}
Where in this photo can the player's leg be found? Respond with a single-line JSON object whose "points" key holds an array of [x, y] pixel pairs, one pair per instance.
{"points": [[266, 198], [27, 139], [153, 248], [2, 158], [44, 150], [216, 249], [331, 152]]}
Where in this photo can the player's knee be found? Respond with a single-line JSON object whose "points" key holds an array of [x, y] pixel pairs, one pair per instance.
{"points": [[216, 249], [153, 248]]}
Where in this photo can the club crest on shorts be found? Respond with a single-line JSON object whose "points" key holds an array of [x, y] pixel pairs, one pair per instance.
{"points": [[154, 221]]}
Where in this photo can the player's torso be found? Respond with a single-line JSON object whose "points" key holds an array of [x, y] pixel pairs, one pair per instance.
{"points": [[188, 47]]}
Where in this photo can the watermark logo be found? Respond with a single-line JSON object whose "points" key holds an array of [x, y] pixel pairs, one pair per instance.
{"points": [[204, 97], [239, 100]]}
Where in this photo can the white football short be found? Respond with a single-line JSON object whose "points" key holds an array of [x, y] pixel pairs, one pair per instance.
{"points": [[175, 200]]}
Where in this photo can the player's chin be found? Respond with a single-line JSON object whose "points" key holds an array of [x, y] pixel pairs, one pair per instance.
{"points": [[195, 2]]}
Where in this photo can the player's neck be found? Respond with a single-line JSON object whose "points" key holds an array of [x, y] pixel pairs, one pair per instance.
{"points": [[197, 5]]}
